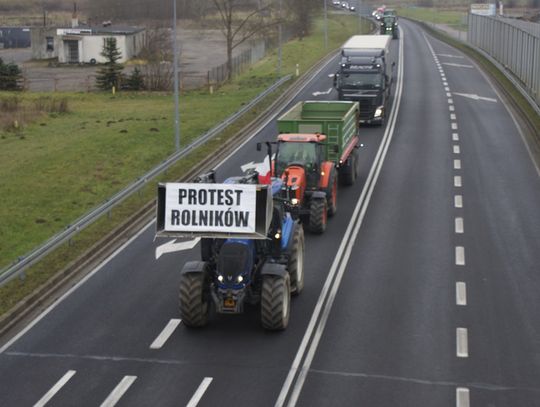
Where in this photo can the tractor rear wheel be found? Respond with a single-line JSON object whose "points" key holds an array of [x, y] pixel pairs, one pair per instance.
{"points": [[193, 306], [295, 266], [318, 213], [349, 173], [275, 302]]}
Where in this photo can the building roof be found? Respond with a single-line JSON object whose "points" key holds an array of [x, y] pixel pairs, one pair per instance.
{"points": [[109, 30]]}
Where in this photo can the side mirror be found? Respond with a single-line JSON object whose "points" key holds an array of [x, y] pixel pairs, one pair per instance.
{"points": [[259, 146]]}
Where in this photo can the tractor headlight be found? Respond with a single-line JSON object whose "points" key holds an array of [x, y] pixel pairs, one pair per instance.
{"points": [[277, 235], [220, 278], [294, 201], [239, 279], [378, 112]]}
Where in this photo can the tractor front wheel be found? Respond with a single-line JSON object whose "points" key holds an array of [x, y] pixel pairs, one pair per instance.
{"points": [[275, 302], [318, 213], [193, 306], [295, 265]]}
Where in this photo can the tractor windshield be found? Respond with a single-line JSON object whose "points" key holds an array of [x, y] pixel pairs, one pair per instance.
{"points": [[298, 153]]}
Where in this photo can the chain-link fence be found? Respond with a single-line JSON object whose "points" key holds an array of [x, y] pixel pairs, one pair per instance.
{"points": [[516, 49]]}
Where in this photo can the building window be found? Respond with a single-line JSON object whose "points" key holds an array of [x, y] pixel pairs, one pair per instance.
{"points": [[50, 43]]}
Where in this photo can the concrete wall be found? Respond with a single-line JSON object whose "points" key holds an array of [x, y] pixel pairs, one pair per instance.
{"points": [[39, 43]]}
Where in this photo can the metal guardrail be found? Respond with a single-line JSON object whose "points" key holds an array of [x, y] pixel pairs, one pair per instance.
{"points": [[27, 260]]}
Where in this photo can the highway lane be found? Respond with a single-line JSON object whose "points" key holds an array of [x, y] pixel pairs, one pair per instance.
{"points": [[439, 303], [100, 336]]}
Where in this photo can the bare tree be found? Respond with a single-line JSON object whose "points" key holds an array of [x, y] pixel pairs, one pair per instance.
{"points": [[158, 71], [240, 22], [301, 12]]}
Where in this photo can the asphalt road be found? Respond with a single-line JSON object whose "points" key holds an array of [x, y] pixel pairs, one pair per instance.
{"points": [[422, 292]]}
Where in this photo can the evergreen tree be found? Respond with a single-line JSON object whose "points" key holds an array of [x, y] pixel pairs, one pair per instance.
{"points": [[110, 73], [10, 76], [135, 81]]}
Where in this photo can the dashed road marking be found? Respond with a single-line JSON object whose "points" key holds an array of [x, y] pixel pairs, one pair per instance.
{"points": [[462, 343], [451, 108], [457, 164], [200, 392], [461, 293], [457, 181], [459, 225], [450, 101], [452, 116], [458, 201], [456, 149], [455, 136], [454, 126], [118, 391], [462, 397], [165, 334], [448, 94], [460, 256], [445, 83], [55, 389]]}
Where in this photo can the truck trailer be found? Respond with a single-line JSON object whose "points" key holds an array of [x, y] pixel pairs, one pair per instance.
{"points": [[365, 75]]}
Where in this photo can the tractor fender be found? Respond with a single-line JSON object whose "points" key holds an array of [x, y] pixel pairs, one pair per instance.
{"points": [[274, 269], [327, 168], [194, 267]]}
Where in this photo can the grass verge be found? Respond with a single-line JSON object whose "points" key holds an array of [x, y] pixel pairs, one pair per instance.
{"points": [[436, 15], [89, 157]]}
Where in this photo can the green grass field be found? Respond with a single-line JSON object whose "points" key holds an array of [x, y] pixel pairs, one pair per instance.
{"points": [[452, 18], [62, 165]]}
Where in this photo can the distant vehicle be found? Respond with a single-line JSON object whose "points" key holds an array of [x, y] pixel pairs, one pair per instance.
{"points": [[345, 5], [336, 3], [352, 8], [389, 26]]}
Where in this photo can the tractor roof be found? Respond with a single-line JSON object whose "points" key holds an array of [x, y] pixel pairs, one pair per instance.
{"points": [[302, 138]]}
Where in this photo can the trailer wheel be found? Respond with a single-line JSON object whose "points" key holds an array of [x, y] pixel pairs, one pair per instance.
{"points": [[331, 194], [193, 306], [318, 215], [295, 266], [350, 172], [275, 302]]}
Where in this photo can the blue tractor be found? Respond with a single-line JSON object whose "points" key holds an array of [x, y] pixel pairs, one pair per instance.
{"points": [[235, 271]]}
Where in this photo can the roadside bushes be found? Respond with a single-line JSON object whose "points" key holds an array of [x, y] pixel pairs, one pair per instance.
{"points": [[10, 76], [16, 112]]}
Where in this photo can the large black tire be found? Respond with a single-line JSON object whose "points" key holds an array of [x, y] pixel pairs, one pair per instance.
{"points": [[275, 302], [331, 193], [193, 305], [318, 215], [350, 172], [295, 266]]}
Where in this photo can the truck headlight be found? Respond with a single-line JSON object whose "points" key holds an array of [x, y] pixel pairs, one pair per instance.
{"points": [[378, 112]]}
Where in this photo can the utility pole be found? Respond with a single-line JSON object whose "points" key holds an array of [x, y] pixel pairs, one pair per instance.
{"points": [[279, 40], [176, 102], [325, 25]]}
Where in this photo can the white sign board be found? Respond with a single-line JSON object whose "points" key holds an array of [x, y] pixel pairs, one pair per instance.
{"points": [[204, 208], [483, 9]]}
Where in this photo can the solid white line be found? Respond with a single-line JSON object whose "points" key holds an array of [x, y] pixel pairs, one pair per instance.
{"points": [[451, 108], [460, 256], [55, 389], [457, 181], [462, 397], [457, 164], [462, 343], [461, 293], [454, 126], [455, 136], [450, 101], [118, 391], [165, 334], [459, 225], [456, 149], [458, 201], [74, 288], [315, 328], [200, 392]]}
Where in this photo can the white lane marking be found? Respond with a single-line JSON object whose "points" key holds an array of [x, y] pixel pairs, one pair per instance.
{"points": [[450, 56], [118, 391], [457, 164], [454, 126], [451, 108], [455, 137], [445, 83], [447, 89], [456, 149], [448, 94], [322, 93], [443, 77], [450, 101], [460, 256], [452, 116], [462, 397], [457, 65], [165, 334], [461, 293], [200, 392], [475, 97], [457, 181], [458, 201], [462, 343], [55, 389], [75, 287], [297, 373], [459, 225], [171, 246]]}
